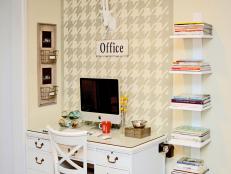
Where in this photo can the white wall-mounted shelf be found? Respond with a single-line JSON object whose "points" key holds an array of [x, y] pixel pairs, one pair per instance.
{"points": [[190, 109], [190, 144], [197, 54], [190, 72], [191, 36]]}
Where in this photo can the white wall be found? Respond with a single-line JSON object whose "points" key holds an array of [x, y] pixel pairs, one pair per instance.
{"points": [[217, 51], [42, 11], [12, 88]]}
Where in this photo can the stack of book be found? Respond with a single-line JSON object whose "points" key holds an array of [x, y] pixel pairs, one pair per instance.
{"points": [[187, 165], [190, 65], [191, 102], [190, 134], [193, 28]]}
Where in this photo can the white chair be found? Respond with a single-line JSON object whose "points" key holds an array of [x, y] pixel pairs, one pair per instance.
{"points": [[76, 141]]}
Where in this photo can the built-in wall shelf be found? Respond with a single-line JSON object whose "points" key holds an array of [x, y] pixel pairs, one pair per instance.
{"points": [[191, 72], [190, 109], [190, 144], [191, 37], [47, 64]]}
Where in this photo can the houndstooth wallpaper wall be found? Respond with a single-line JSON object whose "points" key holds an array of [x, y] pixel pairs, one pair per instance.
{"points": [[143, 75]]}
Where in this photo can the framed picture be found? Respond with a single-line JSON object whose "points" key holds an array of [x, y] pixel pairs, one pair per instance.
{"points": [[47, 36], [46, 39], [46, 76]]}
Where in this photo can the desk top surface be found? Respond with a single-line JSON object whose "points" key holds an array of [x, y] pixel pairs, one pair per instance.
{"points": [[117, 136]]}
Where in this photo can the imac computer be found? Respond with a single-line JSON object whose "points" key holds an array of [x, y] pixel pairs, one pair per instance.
{"points": [[100, 100]]}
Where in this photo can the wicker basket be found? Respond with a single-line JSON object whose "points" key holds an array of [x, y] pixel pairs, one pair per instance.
{"points": [[48, 56], [137, 132], [48, 93]]}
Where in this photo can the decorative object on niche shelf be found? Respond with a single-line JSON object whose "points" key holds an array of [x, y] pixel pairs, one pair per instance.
{"points": [[123, 110], [47, 58], [70, 120]]}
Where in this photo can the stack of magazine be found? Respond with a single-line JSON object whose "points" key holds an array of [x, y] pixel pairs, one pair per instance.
{"points": [[190, 134], [191, 102], [190, 65], [187, 165], [193, 28]]}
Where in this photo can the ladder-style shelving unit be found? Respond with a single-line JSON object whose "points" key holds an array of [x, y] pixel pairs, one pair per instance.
{"points": [[196, 88]]}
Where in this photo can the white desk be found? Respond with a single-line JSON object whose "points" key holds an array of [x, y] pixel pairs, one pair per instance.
{"points": [[135, 156]]}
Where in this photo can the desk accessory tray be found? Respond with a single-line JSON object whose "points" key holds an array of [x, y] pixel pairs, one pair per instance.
{"points": [[137, 132]]}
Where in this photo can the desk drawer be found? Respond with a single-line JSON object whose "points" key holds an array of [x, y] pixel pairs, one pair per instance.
{"points": [[39, 144], [113, 159], [40, 161], [36, 172], [108, 170]]}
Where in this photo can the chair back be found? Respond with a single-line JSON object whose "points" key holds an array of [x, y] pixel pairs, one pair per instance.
{"points": [[63, 161]]}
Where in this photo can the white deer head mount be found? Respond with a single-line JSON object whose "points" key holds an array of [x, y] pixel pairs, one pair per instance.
{"points": [[108, 20]]}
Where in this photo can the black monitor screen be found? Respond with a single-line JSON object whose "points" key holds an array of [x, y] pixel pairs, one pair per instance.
{"points": [[99, 95]]}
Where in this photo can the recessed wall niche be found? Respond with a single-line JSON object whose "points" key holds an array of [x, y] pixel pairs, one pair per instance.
{"points": [[47, 56]]}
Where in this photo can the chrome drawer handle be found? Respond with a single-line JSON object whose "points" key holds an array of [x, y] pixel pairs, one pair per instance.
{"points": [[110, 161], [36, 145], [41, 161]]}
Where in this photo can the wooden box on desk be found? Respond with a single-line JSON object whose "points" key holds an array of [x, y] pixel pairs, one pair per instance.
{"points": [[137, 132]]}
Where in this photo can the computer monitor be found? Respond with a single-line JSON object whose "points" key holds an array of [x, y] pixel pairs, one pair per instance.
{"points": [[100, 100]]}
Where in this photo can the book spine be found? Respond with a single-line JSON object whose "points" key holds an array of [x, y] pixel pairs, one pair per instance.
{"points": [[199, 134], [186, 68], [187, 139], [190, 137], [193, 24], [187, 171], [192, 30], [192, 27], [190, 101], [182, 172], [198, 61], [190, 167], [190, 130], [202, 97], [190, 68], [189, 163], [188, 105], [191, 33], [189, 63]]}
